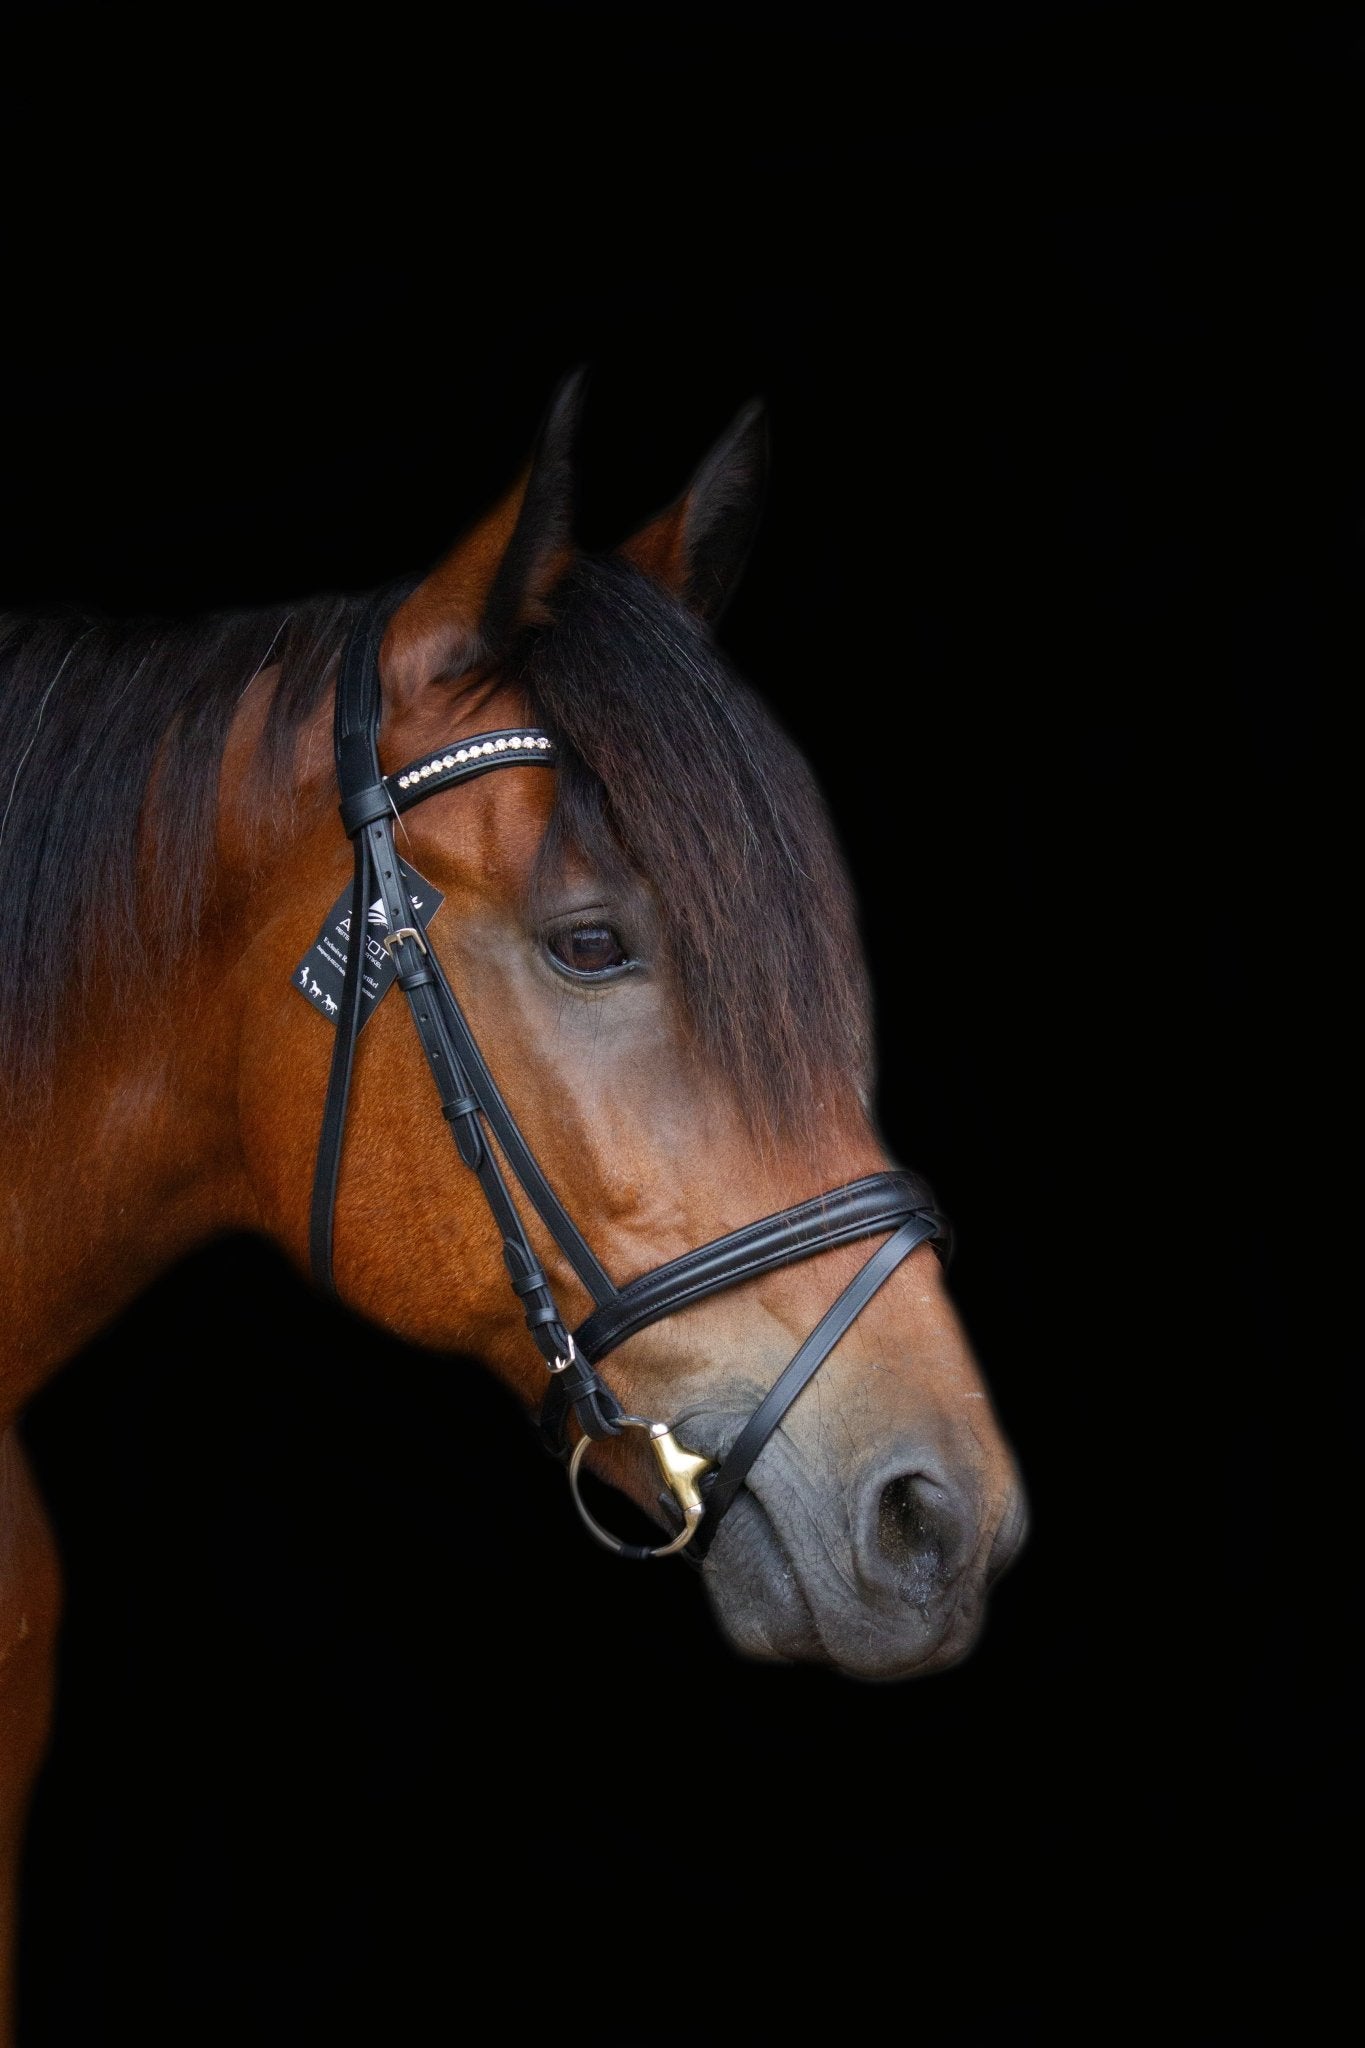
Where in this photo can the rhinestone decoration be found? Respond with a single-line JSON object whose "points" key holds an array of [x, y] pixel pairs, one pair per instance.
{"points": [[510, 743]]}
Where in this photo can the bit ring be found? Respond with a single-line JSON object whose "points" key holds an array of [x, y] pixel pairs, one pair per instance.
{"points": [[680, 1469]]}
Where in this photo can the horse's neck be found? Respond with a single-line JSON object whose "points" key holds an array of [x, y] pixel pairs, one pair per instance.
{"points": [[128, 1166], [131, 1162]]}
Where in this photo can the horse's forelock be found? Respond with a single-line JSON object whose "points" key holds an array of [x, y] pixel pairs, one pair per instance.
{"points": [[671, 767]]}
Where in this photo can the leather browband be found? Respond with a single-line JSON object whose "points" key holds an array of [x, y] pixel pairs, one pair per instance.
{"points": [[895, 1201], [507, 748]]}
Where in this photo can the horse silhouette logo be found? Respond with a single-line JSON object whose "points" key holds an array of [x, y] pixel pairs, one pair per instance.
{"points": [[329, 1006]]}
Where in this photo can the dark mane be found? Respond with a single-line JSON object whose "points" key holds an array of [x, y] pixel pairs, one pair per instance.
{"points": [[669, 766], [87, 706]]}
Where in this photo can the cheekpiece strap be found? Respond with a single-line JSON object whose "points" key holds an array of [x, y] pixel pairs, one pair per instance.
{"points": [[370, 803]]}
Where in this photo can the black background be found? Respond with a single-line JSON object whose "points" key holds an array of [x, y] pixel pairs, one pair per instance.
{"points": [[1057, 310]]}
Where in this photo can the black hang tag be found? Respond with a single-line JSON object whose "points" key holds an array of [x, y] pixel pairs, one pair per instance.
{"points": [[318, 976]]}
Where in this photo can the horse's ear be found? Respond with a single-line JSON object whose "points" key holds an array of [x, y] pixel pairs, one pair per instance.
{"points": [[494, 580], [698, 546]]}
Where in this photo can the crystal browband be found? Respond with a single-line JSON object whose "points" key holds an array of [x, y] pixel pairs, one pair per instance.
{"points": [[459, 764]]}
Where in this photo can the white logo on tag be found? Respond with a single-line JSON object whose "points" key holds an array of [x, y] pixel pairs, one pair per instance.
{"points": [[320, 976]]}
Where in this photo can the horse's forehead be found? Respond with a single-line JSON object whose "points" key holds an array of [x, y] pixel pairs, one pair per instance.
{"points": [[490, 828]]}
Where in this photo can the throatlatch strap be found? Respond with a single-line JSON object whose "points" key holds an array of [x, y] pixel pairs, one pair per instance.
{"points": [[355, 724], [333, 1131], [796, 1376]]}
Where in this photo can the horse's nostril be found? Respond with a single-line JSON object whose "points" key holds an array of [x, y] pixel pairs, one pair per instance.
{"points": [[917, 1536], [906, 1530]]}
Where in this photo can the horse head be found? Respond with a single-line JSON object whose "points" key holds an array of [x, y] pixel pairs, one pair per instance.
{"points": [[628, 972], [650, 934]]}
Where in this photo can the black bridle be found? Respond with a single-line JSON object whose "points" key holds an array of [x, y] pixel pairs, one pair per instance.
{"points": [[472, 1105]]}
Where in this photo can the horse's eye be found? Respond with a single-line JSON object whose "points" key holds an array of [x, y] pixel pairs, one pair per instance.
{"points": [[589, 949]]}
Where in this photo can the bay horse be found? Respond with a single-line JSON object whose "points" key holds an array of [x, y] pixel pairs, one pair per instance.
{"points": [[632, 964]]}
